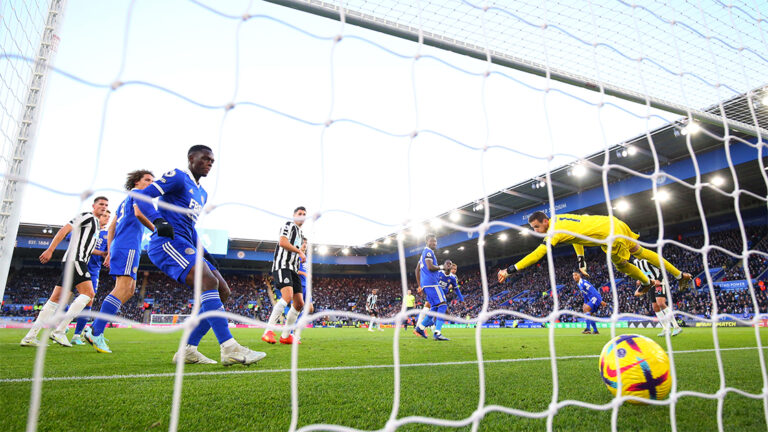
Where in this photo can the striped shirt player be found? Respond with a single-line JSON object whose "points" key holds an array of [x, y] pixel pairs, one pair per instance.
{"points": [[370, 303], [289, 253], [654, 273], [658, 298], [84, 228]]}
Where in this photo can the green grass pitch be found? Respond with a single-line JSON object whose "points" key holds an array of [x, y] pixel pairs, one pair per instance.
{"points": [[439, 381]]}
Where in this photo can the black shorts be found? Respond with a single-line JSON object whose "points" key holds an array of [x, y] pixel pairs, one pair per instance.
{"points": [[286, 277], [80, 274], [659, 291], [374, 312]]}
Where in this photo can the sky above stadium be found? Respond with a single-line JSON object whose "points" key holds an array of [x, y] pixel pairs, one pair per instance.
{"points": [[365, 171]]}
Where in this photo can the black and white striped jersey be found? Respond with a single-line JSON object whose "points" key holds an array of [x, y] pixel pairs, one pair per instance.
{"points": [[85, 229], [370, 302], [285, 259], [650, 270]]}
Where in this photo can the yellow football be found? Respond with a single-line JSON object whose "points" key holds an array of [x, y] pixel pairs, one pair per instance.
{"points": [[641, 363]]}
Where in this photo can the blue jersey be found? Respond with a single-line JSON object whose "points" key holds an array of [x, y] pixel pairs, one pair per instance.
{"points": [[303, 268], [94, 263], [176, 187], [428, 278], [447, 281], [589, 292], [128, 229]]}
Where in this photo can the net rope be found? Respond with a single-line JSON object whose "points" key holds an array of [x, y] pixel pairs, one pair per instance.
{"points": [[749, 55]]}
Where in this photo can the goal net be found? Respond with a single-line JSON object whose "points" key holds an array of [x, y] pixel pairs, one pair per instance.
{"points": [[398, 118]]}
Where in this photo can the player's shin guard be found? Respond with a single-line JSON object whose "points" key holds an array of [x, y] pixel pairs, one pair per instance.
{"points": [[197, 334], [439, 321], [48, 310], [656, 260], [110, 306], [662, 319], [420, 320], [82, 321], [670, 317], [290, 319], [277, 310], [212, 302], [632, 271], [75, 308]]}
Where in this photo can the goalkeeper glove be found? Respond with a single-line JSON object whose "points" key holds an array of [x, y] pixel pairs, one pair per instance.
{"points": [[163, 228], [208, 257]]}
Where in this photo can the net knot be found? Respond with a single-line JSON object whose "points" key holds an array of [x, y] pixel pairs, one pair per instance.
{"points": [[115, 85]]}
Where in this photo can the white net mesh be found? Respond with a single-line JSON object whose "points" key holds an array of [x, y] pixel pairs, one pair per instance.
{"points": [[684, 56]]}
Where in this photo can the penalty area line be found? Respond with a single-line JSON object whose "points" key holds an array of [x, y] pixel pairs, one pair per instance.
{"points": [[331, 368]]}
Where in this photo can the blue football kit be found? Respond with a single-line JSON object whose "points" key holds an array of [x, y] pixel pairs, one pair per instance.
{"points": [[125, 250]]}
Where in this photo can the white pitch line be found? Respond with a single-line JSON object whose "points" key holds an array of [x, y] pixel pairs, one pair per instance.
{"points": [[331, 368]]}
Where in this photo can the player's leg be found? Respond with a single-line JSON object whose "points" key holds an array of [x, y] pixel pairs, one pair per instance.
{"points": [[442, 307], [422, 313], [48, 310], [85, 296], [666, 312], [587, 310], [418, 328], [191, 353], [280, 277], [684, 279], [296, 308], [83, 320]]}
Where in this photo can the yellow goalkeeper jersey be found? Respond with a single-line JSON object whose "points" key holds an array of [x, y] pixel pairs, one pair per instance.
{"points": [[596, 227]]}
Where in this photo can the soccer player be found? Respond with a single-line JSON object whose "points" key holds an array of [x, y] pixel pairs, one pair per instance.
{"points": [[450, 282], [592, 301], [598, 228], [303, 275], [79, 250], [173, 249], [658, 298], [373, 309], [429, 284], [94, 268], [410, 303], [124, 240], [285, 273]]}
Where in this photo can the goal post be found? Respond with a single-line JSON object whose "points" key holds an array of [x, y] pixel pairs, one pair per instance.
{"points": [[24, 100]]}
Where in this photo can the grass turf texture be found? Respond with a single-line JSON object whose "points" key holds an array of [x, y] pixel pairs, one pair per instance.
{"points": [[362, 397]]}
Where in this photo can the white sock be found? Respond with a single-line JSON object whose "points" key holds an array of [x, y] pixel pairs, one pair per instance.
{"points": [[671, 317], [290, 319], [45, 314], [662, 319], [424, 310], [77, 306], [277, 310], [227, 344]]}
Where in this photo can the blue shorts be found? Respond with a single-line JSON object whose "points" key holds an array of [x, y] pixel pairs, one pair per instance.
{"points": [[435, 295], [124, 262], [594, 304], [175, 257]]}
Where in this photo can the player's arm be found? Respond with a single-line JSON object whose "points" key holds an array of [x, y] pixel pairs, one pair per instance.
{"points": [[529, 260], [418, 278], [143, 219], [169, 182], [431, 266], [581, 259], [110, 237], [99, 253], [48, 253]]}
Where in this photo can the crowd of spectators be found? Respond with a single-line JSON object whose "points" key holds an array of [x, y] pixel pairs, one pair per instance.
{"points": [[528, 292]]}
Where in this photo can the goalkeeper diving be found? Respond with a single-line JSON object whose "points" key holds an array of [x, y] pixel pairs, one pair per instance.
{"points": [[596, 228]]}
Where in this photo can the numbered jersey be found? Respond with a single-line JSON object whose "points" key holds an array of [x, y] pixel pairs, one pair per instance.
{"points": [[428, 278], [447, 282], [179, 188], [128, 229], [94, 263], [588, 291]]}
